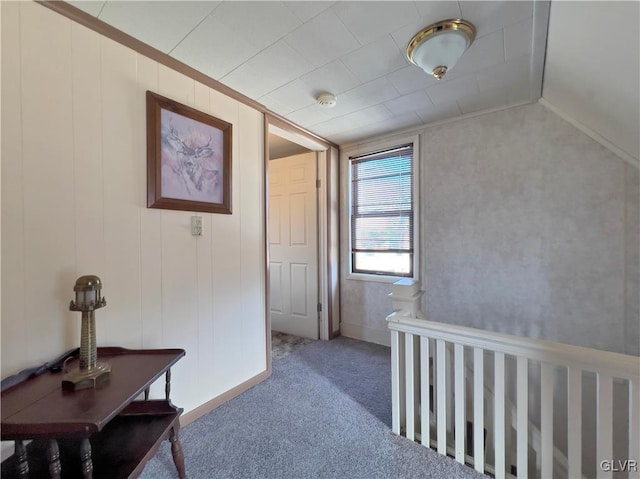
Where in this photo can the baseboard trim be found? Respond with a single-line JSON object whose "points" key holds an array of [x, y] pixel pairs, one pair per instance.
{"points": [[371, 335], [223, 398]]}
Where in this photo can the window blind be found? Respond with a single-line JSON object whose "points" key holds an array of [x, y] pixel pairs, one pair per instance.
{"points": [[382, 211]]}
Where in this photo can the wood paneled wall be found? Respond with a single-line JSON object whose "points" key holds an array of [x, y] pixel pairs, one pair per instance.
{"points": [[74, 203]]}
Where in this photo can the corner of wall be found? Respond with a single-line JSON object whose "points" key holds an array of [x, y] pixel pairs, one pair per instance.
{"points": [[635, 162]]}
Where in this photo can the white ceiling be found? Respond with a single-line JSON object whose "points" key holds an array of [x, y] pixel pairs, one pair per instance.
{"points": [[283, 54], [281, 147], [595, 79]]}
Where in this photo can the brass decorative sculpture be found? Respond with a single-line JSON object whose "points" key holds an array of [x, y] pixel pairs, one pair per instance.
{"points": [[90, 372]]}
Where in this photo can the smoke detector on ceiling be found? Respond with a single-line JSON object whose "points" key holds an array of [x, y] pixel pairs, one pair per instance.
{"points": [[327, 100]]}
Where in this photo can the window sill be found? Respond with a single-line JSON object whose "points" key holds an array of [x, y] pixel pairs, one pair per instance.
{"points": [[375, 278]]}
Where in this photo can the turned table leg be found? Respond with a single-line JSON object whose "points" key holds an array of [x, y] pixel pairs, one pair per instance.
{"points": [[167, 385], [53, 455], [85, 457], [176, 452], [21, 455]]}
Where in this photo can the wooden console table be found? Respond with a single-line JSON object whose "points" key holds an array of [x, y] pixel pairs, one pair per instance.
{"points": [[93, 433]]}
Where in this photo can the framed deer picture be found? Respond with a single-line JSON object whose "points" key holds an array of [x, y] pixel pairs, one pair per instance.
{"points": [[188, 158]]}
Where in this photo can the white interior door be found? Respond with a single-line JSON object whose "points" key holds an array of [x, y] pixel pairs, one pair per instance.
{"points": [[293, 248]]}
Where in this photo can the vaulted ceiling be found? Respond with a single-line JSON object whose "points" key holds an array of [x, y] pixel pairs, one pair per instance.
{"points": [[283, 54], [594, 78]]}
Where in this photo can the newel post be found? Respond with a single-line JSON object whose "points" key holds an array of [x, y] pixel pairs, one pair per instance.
{"points": [[406, 296], [405, 359]]}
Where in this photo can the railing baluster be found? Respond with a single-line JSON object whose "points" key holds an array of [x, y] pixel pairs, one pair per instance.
{"points": [[574, 421], [425, 406], [422, 384], [401, 392], [604, 421], [409, 386], [478, 409], [416, 382], [449, 387], [459, 398], [441, 418], [522, 420], [498, 416], [395, 382], [634, 428], [546, 421]]}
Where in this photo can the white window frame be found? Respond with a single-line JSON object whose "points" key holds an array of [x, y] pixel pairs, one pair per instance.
{"points": [[346, 201]]}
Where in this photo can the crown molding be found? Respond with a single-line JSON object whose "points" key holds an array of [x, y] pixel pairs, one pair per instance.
{"points": [[93, 23], [417, 129]]}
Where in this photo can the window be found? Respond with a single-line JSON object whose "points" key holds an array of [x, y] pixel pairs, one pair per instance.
{"points": [[382, 217]]}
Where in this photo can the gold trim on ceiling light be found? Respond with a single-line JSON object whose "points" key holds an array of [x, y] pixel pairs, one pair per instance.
{"points": [[453, 24]]}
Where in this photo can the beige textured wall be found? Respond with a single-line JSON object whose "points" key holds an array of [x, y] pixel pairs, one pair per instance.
{"points": [[74, 202], [527, 227], [632, 261]]}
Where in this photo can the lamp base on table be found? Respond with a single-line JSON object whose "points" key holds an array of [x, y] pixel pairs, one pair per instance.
{"points": [[91, 378]]}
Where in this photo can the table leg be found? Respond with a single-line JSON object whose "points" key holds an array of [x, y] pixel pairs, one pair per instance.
{"points": [[176, 452], [85, 457], [21, 455], [53, 455], [167, 385]]}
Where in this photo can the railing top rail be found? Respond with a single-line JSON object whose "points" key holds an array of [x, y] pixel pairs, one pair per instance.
{"points": [[587, 359]]}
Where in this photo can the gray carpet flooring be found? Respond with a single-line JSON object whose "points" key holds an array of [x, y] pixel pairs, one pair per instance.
{"points": [[324, 413], [284, 344]]}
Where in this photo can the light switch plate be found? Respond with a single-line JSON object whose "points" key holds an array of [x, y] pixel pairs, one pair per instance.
{"points": [[196, 225]]}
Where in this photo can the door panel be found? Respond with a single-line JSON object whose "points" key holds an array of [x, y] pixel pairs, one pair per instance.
{"points": [[275, 282], [275, 204], [298, 219], [293, 245], [299, 305]]}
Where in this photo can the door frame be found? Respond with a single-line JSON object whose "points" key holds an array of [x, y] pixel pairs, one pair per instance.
{"points": [[328, 223]]}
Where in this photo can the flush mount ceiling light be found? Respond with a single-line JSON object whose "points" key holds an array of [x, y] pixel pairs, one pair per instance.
{"points": [[327, 100], [438, 47]]}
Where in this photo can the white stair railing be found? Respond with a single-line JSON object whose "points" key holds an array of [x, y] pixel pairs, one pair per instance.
{"points": [[459, 386]]}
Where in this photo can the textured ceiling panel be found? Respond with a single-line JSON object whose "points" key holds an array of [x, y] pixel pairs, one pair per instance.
{"points": [[165, 24], [284, 54]]}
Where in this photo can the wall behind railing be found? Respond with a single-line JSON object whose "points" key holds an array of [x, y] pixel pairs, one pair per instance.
{"points": [[525, 232], [528, 227]]}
